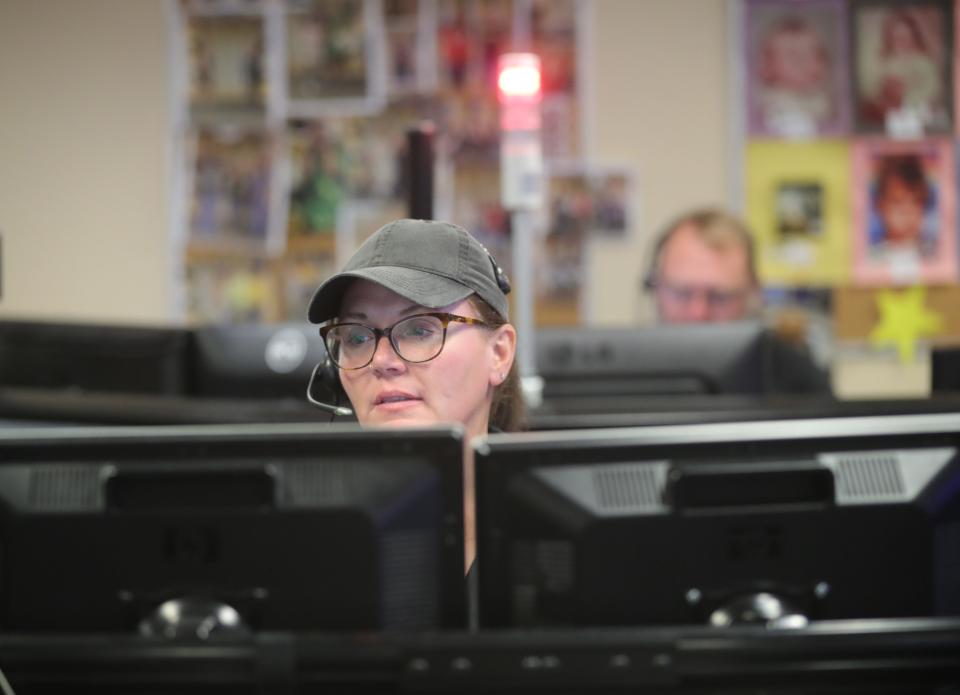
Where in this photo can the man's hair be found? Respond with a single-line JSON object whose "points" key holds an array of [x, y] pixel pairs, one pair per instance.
{"points": [[717, 228]]}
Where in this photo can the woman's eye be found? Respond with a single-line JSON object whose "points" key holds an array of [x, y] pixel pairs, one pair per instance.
{"points": [[418, 329], [356, 339]]}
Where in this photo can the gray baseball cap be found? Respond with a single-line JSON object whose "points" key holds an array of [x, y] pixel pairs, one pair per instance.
{"points": [[433, 264]]}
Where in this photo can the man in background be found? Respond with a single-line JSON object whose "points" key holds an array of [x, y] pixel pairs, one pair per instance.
{"points": [[703, 269]]}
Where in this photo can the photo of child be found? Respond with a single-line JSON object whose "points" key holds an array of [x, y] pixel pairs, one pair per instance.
{"points": [[796, 76], [902, 65], [904, 212]]}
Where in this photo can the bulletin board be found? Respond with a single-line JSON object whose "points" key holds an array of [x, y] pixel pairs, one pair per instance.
{"points": [[292, 143]]}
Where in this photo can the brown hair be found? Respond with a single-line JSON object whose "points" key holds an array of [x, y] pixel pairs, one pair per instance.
{"points": [[717, 228], [907, 168], [508, 411]]}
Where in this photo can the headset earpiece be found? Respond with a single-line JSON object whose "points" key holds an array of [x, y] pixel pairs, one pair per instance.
{"points": [[503, 282], [329, 374], [325, 390]]}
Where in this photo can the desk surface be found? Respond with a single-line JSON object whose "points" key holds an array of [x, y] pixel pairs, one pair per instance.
{"points": [[40, 406], [904, 655]]}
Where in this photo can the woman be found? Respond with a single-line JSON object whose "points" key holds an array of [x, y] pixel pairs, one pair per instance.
{"points": [[417, 326]]}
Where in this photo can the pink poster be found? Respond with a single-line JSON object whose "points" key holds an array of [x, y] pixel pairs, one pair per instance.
{"points": [[904, 214]]}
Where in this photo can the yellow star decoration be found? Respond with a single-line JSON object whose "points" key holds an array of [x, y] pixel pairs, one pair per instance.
{"points": [[904, 319]]}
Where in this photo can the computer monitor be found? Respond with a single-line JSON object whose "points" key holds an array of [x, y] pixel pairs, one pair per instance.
{"points": [[692, 410], [610, 369], [181, 530], [712, 524], [945, 370], [257, 360], [93, 357]]}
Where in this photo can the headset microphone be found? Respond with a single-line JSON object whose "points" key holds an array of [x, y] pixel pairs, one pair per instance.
{"points": [[326, 407]]}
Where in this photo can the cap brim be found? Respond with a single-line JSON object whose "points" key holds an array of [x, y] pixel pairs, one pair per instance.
{"points": [[418, 286]]}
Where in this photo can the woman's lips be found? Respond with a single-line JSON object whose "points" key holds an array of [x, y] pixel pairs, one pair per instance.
{"points": [[394, 401]]}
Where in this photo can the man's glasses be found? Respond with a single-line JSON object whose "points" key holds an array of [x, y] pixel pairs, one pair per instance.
{"points": [[417, 338], [683, 294]]}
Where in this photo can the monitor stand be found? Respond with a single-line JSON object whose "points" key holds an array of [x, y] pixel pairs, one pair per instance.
{"points": [[192, 618], [760, 608]]}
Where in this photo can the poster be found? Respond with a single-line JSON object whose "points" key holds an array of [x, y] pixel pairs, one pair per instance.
{"points": [[589, 201], [798, 208], [334, 59], [796, 53], [226, 66], [553, 28], [231, 191], [903, 67], [904, 217], [411, 36]]}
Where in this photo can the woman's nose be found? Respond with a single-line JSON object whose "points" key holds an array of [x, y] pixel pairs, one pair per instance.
{"points": [[384, 356]]}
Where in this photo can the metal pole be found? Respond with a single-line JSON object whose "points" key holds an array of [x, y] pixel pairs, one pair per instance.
{"points": [[420, 171], [521, 242]]}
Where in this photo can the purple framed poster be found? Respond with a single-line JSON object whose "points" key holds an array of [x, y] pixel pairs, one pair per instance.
{"points": [[796, 71]]}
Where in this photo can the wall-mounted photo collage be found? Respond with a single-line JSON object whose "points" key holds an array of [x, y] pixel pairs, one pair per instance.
{"points": [[295, 138], [850, 142]]}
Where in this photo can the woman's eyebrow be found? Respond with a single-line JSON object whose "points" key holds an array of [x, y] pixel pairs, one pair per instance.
{"points": [[359, 315], [412, 309]]}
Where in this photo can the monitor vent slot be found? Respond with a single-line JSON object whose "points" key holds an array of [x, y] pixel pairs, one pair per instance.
{"points": [[66, 489], [308, 483], [623, 487], [869, 476], [409, 576]]}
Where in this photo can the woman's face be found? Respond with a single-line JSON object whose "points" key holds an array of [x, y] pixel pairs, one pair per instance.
{"points": [[455, 386]]}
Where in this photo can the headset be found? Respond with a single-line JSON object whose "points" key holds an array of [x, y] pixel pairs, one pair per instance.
{"points": [[326, 376]]}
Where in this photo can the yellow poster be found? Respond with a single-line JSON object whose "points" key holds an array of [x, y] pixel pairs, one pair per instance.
{"points": [[798, 206]]}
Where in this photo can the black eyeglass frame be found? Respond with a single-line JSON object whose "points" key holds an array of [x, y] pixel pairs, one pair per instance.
{"points": [[445, 320]]}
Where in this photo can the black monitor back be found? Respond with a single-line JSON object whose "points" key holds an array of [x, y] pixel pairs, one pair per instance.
{"points": [[844, 518], [255, 360], [613, 369], [292, 527], [945, 370], [93, 357]]}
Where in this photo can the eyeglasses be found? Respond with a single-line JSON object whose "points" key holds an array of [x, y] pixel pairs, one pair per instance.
{"points": [[685, 294], [417, 338]]}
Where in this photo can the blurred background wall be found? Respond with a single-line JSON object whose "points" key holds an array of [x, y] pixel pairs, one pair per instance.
{"points": [[84, 160], [86, 129]]}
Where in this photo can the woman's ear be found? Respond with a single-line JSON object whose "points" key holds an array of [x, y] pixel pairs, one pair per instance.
{"points": [[503, 348]]}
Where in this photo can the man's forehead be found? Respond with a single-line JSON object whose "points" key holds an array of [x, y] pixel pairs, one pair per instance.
{"points": [[688, 255], [689, 236]]}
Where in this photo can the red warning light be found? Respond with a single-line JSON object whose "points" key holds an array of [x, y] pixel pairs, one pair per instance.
{"points": [[518, 77]]}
